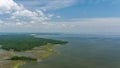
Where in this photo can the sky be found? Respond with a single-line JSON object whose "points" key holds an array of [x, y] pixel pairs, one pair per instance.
{"points": [[63, 16]]}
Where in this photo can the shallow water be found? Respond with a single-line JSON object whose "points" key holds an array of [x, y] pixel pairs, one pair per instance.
{"points": [[83, 52]]}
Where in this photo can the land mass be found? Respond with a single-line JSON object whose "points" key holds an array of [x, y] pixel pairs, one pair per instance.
{"points": [[17, 48], [23, 58], [24, 42]]}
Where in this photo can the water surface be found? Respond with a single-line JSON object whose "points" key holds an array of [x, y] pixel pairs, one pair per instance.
{"points": [[83, 52]]}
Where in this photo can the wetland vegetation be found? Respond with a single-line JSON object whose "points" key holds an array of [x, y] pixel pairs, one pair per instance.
{"points": [[23, 58], [14, 45]]}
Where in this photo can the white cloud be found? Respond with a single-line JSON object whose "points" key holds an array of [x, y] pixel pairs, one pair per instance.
{"points": [[58, 16], [19, 15], [7, 6], [47, 4], [95, 25], [57, 4], [88, 25], [30, 17], [22, 19], [1, 22]]}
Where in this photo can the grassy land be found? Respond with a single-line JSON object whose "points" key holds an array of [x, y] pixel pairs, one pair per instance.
{"points": [[24, 42]]}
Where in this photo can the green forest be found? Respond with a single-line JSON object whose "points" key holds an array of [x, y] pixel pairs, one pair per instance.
{"points": [[23, 58], [24, 42]]}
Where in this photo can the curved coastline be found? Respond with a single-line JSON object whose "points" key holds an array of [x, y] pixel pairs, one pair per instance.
{"points": [[38, 52]]}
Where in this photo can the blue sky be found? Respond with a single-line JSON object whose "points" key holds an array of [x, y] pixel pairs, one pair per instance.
{"points": [[66, 16], [81, 8]]}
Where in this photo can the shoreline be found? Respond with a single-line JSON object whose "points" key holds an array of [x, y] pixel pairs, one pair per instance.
{"points": [[40, 52]]}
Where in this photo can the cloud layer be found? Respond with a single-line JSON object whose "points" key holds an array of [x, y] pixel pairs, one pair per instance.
{"points": [[17, 14], [16, 17], [7, 6]]}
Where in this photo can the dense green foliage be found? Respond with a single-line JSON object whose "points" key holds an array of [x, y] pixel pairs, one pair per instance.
{"points": [[24, 42], [23, 58]]}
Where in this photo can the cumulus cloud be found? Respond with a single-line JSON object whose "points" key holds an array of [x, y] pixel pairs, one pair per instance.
{"points": [[30, 17], [21, 19], [7, 6], [18, 14]]}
